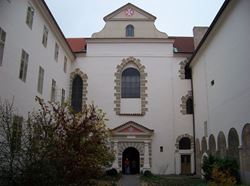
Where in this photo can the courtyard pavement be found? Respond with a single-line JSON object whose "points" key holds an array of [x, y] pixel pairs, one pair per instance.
{"points": [[130, 180]]}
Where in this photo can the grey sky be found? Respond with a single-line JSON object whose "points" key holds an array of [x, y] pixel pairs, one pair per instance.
{"points": [[81, 18]]}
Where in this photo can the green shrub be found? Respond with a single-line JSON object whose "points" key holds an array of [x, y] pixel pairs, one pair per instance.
{"points": [[221, 178], [222, 164], [147, 173], [112, 172]]}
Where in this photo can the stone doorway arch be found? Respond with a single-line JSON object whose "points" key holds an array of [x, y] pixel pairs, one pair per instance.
{"points": [[136, 136], [132, 155], [184, 154]]}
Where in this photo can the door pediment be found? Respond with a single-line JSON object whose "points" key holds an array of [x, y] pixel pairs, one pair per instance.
{"points": [[131, 128]]}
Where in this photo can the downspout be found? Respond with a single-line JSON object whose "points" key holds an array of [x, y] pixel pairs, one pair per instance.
{"points": [[193, 121]]}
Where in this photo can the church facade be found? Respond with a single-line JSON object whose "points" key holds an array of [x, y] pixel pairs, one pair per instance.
{"points": [[135, 73]]}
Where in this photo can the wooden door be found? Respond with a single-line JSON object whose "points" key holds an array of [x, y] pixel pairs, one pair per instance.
{"points": [[185, 164]]}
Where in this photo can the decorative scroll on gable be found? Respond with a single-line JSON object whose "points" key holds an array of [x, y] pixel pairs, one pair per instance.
{"points": [[129, 14]]}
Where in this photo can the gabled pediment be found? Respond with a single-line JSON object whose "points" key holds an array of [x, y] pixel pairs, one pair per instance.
{"points": [[131, 128], [129, 12]]}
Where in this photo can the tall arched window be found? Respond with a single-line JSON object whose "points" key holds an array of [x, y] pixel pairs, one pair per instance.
{"points": [[130, 83], [76, 99], [130, 31], [189, 106]]}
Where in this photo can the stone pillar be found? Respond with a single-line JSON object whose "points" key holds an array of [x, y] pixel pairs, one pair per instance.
{"points": [[146, 165], [115, 163]]}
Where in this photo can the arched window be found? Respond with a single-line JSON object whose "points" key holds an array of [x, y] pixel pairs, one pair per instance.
{"points": [[185, 143], [189, 106], [130, 31], [76, 99], [130, 83], [188, 73]]}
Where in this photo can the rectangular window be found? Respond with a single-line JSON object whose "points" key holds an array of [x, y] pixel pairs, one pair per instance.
{"points": [[56, 51], [23, 66], [161, 148], [16, 133], [45, 36], [53, 90], [30, 15], [63, 96], [40, 80], [2, 42], [65, 64]]}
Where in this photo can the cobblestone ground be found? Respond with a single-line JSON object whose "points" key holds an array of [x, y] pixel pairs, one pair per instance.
{"points": [[130, 180]]}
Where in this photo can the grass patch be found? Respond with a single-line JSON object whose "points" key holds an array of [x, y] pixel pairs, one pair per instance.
{"points": [[163, 180]]}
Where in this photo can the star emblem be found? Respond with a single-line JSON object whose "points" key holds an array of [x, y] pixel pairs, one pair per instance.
{"points": [[129, 12]]}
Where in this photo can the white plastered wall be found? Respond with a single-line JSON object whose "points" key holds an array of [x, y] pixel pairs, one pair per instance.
{"points": [[163, 83], [226, 60], [19, 36]]}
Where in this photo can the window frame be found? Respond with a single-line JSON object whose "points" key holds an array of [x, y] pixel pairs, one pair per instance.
{"points": [[45, 36], [76, 88], [188, 72], [40, 80], [63, 96], [23, 65], [185, 143], [17, 133], [189, 106], [2, 44], [56, 54], [65, 64], [130, 85], [30, 16], [53, 91], [130, 31]]}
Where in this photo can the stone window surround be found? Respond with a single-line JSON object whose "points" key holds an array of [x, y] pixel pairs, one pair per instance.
{"points": [[85, 84], [184, 136], [143, 88], [182, 68], [183, 104]]}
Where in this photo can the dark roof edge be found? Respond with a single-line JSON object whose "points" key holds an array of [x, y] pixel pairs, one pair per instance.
{"points": [[223, 7], [59, 29]]}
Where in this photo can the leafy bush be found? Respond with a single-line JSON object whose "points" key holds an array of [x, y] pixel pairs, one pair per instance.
{"points": [[147, 173], [56, 146], [112, 172], [215, 165], [220, 178]]}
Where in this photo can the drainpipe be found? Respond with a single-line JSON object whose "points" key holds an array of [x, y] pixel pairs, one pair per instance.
{"points": [[193, 123]]}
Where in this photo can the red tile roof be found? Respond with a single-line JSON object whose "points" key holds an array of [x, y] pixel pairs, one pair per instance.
{"points": [[183, 44], [77, 44]]}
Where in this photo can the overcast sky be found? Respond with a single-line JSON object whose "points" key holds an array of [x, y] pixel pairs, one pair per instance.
{"points": [[81, 18]]}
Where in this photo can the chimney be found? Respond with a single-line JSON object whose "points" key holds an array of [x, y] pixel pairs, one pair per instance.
{"points": [[198, 32]]}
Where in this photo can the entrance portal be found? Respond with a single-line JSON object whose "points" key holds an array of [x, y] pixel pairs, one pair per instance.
{"points": [[133, 157], [185, 164]]}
